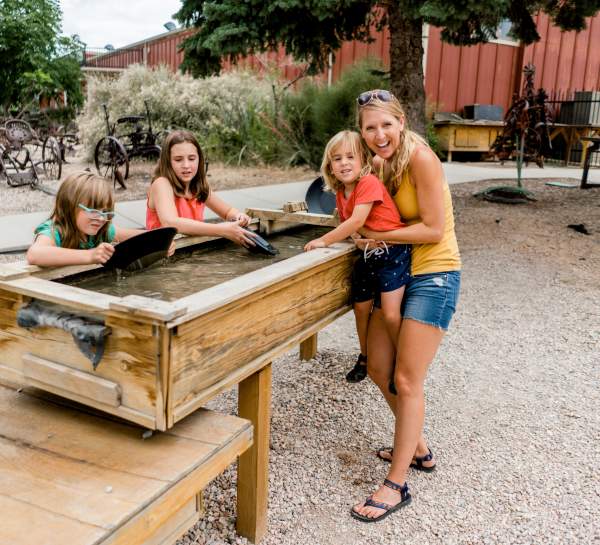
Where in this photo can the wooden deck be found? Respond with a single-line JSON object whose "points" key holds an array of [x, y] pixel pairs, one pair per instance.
{"points": [[68, 477]]}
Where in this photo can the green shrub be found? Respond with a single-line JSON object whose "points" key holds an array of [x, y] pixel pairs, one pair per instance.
{"points": [[224, 112], [315, 113]]}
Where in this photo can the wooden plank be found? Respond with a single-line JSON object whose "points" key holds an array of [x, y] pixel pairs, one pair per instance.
{"points": [[308, 218], [59, 293], [308, 347], [137, 305], [56, 465], [200, 397], [130, 360], [215, 345], [254, 403], [20, 269], [209, 299], [25, 524], [64, 377]]}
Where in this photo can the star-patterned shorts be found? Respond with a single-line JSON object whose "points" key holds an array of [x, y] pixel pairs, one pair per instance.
{"points": [[387, 270]]}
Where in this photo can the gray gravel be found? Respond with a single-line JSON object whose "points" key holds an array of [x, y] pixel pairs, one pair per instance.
{"points": [[512, 403]]}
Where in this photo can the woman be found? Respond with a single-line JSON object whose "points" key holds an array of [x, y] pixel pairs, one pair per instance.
{"points": [[414, 176]]}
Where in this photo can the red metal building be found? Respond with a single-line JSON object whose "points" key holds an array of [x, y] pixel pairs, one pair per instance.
{"points": [[454, 76]]}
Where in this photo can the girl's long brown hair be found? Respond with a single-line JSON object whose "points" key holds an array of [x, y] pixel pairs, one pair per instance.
{"points": [[394, 168], [80, 188], [198, 186]]}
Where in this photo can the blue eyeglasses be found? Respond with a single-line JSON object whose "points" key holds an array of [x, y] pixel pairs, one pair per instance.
{"points": [[94, 214], [376, 94]]}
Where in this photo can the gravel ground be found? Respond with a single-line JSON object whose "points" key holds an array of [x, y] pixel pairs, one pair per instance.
{"points": [[512, 401]]}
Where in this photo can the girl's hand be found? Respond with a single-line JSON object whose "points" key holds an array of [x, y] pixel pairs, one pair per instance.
{"points": [[241, 218], [101, 253], [235, 232], [171, 249], [313, 244]]}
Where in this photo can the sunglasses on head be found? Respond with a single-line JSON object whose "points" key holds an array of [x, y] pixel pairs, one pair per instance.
{"points": [[376, 94], [94, 214]]}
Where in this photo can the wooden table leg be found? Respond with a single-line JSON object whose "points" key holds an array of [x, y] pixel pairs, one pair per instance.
{"points": [[308, 347], [254, 404]]}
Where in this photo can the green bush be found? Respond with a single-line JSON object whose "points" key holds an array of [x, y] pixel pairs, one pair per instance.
{"points": [[224, 112], [315, 113]]}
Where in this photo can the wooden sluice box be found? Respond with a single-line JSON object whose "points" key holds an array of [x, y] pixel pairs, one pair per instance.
{"points": [[161, 360]]}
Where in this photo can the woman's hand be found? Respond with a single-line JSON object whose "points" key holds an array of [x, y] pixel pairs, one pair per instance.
{"points": [[235, 232], [101, 253], [313, 244]]}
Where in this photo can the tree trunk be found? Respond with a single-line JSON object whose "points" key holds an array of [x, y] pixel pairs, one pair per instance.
{"points": [[406, 63]]}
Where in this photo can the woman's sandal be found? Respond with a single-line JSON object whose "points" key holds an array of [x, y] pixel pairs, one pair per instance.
{"points": [[405, 499], [418, 460]]}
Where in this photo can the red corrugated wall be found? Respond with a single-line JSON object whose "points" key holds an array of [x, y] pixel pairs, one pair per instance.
{"points": [[454, 76]]}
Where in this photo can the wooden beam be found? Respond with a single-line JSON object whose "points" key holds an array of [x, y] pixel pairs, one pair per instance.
{"points": [[308, 347], [138, 305], [254, 403], [324, 220]]}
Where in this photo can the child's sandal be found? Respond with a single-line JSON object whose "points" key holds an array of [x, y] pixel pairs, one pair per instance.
{"points": [[388, 509]]}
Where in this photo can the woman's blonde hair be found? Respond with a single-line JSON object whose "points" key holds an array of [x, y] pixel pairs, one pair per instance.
{"points": [[80, 188], [198, 186], [355, 142], [399, 163]]}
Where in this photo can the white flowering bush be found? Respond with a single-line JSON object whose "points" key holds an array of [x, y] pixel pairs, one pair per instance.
{"points": [[232, 114]]}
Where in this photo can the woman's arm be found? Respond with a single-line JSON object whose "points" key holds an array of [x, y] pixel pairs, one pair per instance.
{"points": [[428, 178], [344, 229], [44, 253], [163, 198]]}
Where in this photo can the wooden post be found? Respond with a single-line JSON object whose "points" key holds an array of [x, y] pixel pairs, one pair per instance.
{"points": [[308, 348], [254, 404]]}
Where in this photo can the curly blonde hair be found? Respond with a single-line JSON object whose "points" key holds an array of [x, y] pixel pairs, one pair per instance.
{"points": [[399, 163], [355, 142]]}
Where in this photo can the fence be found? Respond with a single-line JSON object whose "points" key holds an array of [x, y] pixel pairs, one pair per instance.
{"points": [[579, 109]]}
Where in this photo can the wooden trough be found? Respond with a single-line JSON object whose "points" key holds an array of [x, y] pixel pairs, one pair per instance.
{"points": [[163, 360]]}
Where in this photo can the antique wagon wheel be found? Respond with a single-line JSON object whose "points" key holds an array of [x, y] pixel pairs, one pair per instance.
{"points": [[51, 158], [111, 160]]}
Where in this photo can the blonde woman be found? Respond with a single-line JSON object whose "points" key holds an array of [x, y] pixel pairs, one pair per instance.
{"points": [[415, 179]]}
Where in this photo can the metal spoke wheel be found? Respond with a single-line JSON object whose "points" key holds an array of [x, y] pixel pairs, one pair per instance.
{"points": [[51, 158], [111, 160]]}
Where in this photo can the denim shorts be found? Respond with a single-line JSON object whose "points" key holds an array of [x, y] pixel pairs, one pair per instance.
{"points": [[381, 272], [431, 298]]}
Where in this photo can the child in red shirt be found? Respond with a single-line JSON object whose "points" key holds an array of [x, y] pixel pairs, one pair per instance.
{"points": [[362, 200]]}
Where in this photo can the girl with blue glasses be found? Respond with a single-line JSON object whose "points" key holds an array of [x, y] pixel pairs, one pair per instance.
{"points": [[79, 230]]}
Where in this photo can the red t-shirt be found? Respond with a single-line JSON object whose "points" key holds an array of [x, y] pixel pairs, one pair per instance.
{"points": [[384, 215]]}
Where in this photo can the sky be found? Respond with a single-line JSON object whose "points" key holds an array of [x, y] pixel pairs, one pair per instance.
{"points": [[116, 22]]}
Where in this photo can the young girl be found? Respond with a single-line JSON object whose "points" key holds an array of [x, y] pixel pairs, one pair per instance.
{"points": [[179, 193], [362, 200], [79, 231]]}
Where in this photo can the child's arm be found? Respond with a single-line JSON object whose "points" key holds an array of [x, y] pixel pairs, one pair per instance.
{"points": [[224, 211], [343, 230], [45, 253], [122, 233], [163, 198]]}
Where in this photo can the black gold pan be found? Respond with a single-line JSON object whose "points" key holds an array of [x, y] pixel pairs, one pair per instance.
{"points": [[261, 245], [142, 250]]}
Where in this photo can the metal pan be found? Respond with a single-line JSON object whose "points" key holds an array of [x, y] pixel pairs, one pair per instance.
{"points": [[142, 250], [318, 200]]}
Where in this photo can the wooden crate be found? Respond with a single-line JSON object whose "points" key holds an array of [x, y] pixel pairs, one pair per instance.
{"points": [[163, 360]]}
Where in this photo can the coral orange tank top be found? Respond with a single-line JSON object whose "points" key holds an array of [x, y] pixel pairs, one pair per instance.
{"points": [[186, 208]]}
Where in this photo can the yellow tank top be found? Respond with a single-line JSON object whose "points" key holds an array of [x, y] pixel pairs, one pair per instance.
{"points": [[434, 257]]}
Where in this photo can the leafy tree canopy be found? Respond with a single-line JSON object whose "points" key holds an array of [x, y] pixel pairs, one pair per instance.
{"points": [[33, 57], [311, 29]]}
